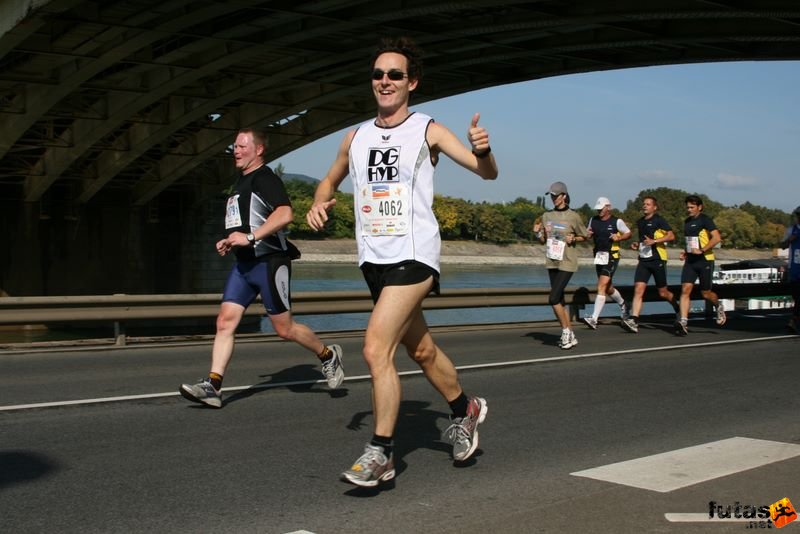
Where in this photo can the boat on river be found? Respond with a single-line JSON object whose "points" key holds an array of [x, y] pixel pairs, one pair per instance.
{"points": [[767, 271]]}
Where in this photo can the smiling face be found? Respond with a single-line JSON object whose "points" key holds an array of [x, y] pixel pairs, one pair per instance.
{"points": [[392, 96]]}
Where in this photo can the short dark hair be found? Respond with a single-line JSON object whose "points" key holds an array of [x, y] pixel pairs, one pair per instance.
{"points": [[694, 199], [404, 46]]}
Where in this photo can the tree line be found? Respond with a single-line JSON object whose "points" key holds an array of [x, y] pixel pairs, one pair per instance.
{"points": [[743, 226]]}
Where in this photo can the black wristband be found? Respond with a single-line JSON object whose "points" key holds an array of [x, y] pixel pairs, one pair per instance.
{"points": [[483, 154]]}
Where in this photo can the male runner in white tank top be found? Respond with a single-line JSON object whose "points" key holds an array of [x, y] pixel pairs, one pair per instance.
{"points": [[391, 160]]}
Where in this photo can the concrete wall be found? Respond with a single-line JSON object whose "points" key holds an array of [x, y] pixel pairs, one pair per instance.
{"points": [[109, 247]]}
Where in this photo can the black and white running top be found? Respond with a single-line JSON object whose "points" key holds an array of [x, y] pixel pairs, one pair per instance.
{"points": [[255, 196]]}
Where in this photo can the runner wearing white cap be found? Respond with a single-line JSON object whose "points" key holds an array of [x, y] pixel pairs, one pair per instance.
{"points": [[607, 231]]}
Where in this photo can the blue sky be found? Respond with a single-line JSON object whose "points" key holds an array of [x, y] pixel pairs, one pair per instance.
{"points": [[730, 131]]}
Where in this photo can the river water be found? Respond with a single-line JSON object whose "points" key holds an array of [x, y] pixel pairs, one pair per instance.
{"points": [[329, 277], [340, 277]]}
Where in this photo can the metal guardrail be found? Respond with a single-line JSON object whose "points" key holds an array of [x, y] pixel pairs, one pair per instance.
{"points": [[119, 309]]}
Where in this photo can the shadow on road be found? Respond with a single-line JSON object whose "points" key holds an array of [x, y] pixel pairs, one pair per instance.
{"points": [[298, 379], [22, 466]]}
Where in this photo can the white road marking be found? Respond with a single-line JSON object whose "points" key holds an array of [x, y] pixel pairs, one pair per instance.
{"points": [[355, 378], [677, 469]]}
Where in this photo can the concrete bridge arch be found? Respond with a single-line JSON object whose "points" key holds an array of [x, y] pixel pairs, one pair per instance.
{"points": [[132, 103]]}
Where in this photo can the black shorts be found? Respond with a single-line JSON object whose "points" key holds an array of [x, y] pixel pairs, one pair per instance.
{"points": [[657, 269], [270, 276], [702, 270], [405, 273], [608, 269]]}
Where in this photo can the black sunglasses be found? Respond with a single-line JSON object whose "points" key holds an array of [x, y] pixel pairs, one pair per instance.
{"points": [[394, 74]]}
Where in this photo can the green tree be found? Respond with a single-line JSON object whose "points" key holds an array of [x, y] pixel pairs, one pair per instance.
{"points": [[342, 220], [279, 170], [739, 229], [448, 214], [770, 234], [522, 213], [492, 225], [299, 189], [586, 212], [764, 215]]}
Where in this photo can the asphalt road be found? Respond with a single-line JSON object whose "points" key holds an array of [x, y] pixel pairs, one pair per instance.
{"points": [[117, 450]]}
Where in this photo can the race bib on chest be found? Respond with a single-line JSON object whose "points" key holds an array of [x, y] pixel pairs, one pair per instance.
{"points": [[601, 258], [645, 251], [233, 218], [796, 256], [555, 249], [385, 209], [692, 242]]}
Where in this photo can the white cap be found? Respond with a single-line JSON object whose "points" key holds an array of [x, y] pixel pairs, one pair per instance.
{"points": [[601, 203]]}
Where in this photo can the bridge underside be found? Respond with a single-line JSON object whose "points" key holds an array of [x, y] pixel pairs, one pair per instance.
{"points": [[141, 98]]}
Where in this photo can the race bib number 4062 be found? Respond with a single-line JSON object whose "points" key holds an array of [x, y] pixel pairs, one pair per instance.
{"points": [[385, 209]]}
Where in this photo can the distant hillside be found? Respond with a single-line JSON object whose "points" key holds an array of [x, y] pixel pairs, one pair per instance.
{"points": [[302, 177]]}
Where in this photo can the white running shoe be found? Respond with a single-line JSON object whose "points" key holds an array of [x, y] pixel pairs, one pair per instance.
{"points": [[202, 392], [630, 325], [333, 369], [371, 468], [570, 342]]}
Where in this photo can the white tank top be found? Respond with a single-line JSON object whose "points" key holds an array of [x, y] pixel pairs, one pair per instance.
{"points": [[392, 177]]}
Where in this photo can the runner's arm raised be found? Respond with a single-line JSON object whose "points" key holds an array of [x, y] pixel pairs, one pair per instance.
{"points": [[480, 160]]}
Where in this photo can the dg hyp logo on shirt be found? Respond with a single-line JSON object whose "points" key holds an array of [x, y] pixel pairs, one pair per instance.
{"points": [[383, 164]]}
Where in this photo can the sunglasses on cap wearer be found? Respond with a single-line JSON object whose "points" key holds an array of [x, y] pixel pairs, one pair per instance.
{"points": [[393, 74]]}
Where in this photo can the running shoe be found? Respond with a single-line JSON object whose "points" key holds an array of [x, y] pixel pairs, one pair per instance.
{"points": [[463, 431], [591, 322], [564, 340], [721, 318], [333, 369], [630, 325], [624, 311], [202, 392], [570, 342], [681, 328], [371, 468]]}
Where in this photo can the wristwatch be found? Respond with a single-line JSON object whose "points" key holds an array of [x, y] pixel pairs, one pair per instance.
{"points": [[251, 239]]}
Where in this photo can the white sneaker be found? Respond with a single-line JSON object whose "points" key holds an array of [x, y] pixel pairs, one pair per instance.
{"points": [[630, 325], [571, 340], [333, 369], [591, 322], [564, 338]]}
